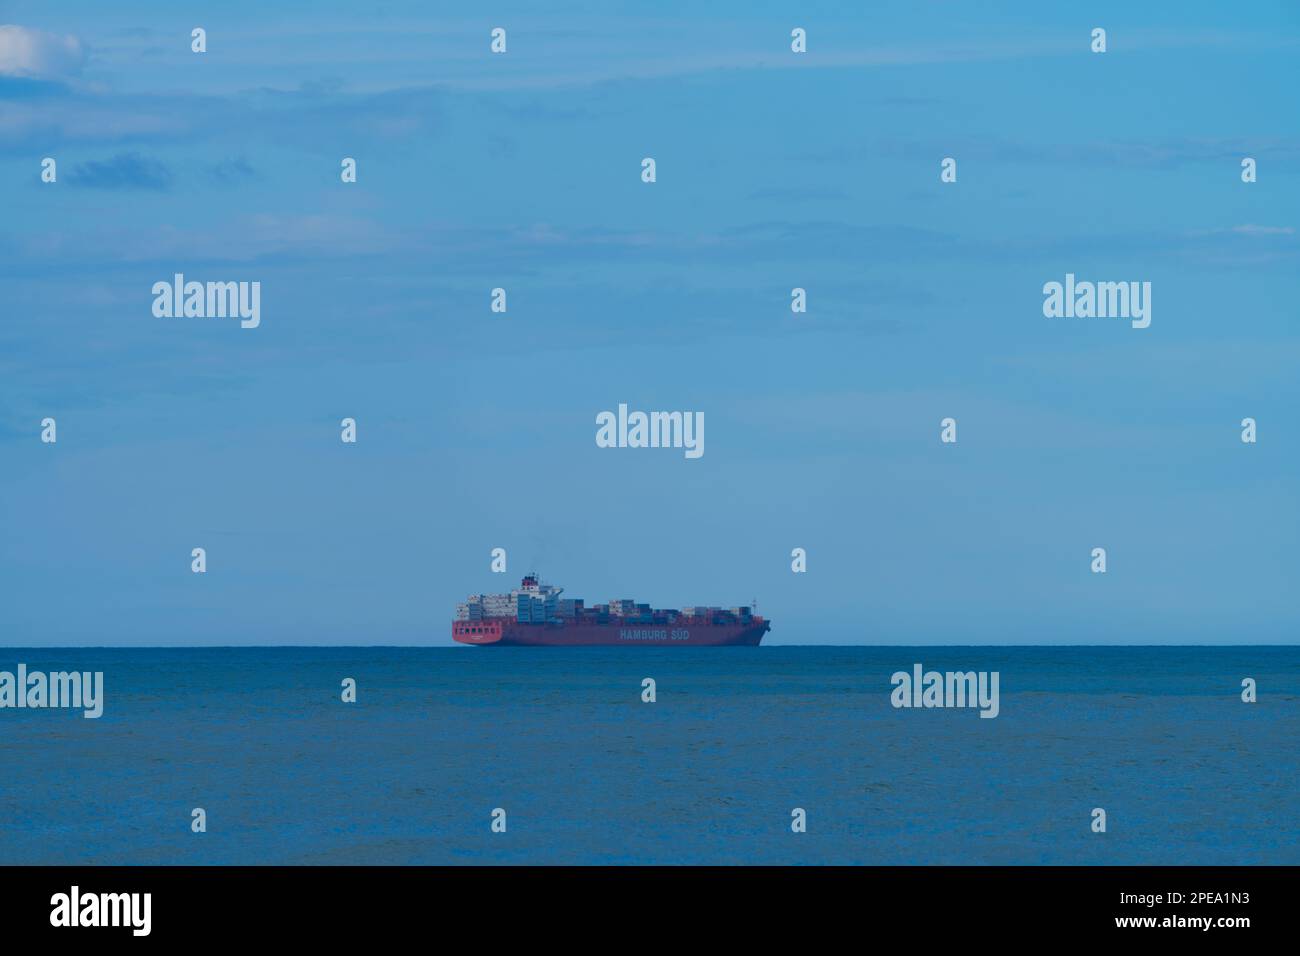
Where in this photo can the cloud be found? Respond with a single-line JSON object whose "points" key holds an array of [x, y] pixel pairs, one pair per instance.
{"points": [[232, 172], [1167, 153], [798, 194], [25, 52], [123, 171], [310, 120], [1250, 229]]}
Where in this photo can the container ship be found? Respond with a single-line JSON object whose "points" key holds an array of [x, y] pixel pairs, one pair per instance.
{"points": [[534, 614]]}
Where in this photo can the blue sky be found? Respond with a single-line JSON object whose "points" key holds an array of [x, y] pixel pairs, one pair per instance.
{"points": [[774, 171]]}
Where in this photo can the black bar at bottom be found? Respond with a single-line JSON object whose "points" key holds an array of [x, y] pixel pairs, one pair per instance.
{"points": [[336, 905]]}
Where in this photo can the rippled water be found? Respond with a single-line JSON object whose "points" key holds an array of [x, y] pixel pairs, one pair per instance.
{"points": [[587, 773]]}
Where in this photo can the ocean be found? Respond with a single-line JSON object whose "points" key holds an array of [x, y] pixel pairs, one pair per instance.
{"points": [[587, 773]]}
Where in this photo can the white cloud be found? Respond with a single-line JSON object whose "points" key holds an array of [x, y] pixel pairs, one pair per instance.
{"points": [[25, 52], [1250, 229]]}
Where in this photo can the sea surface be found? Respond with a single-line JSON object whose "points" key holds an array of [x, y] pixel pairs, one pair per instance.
{"points": [[709, 773]]}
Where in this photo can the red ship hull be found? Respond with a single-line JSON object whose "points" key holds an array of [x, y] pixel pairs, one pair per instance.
{"points": [[505, 632]]}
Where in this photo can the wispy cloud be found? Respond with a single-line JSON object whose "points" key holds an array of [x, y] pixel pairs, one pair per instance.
{"points": [[798, 194], [33, 53], [231, 172], [308, 117], [1163, 154], [1251, 229], [123, 171]]}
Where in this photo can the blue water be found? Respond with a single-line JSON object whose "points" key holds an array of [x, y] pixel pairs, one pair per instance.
{"points": [[587, 773]]}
